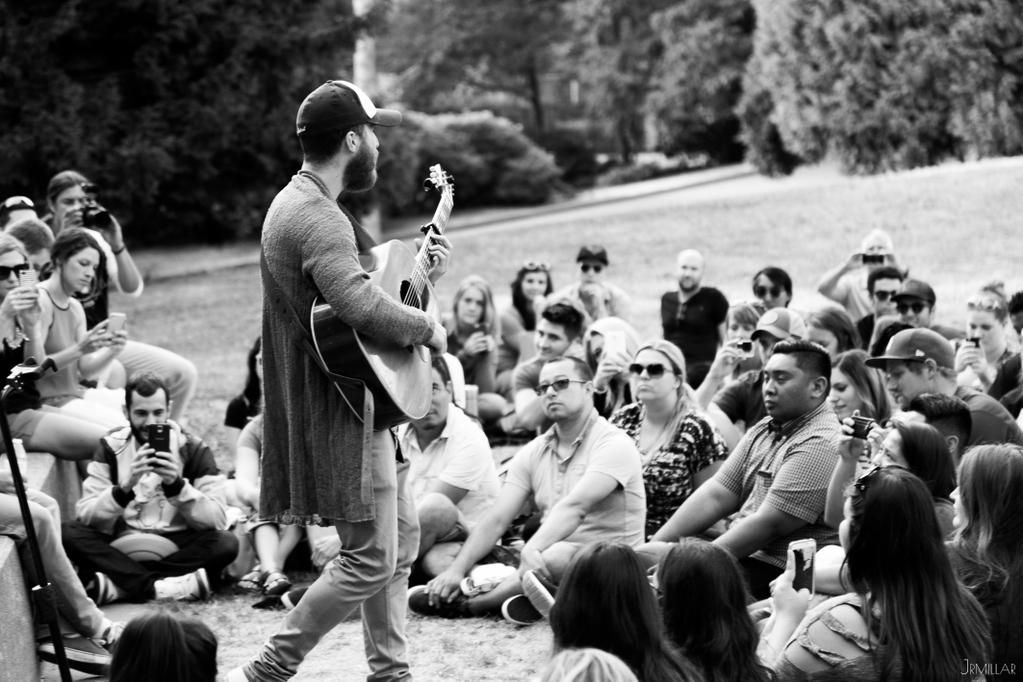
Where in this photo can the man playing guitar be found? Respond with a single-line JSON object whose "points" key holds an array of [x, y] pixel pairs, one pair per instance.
{"points": [[323, 462]]}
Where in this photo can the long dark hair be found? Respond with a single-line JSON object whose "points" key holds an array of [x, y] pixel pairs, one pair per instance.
{"points": [[67, 244], [606, 602], [159, 647], [988, 544], [926, 620], [253, 393], [519, 300], [927, 455], [703, 603], [869, 384]]}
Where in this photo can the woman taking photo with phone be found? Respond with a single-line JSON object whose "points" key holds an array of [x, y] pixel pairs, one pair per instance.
{"points": [[473, 329], [42, 428], [985, 359], [907, 617], [680, 448], [77, 352]]}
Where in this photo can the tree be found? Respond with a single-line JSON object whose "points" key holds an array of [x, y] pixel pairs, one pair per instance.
{"points": [[699, 80], [456, 54], [183, 113]]}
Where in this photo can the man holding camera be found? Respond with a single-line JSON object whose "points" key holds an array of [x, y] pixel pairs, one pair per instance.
{"points": [[71, 199], [847, 283], [137, 488]]}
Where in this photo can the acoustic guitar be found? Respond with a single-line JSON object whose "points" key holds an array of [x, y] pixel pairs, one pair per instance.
{"points": [[399, 377]]}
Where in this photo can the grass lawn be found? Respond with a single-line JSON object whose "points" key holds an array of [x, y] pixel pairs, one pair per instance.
{"points": [[954, 228]]}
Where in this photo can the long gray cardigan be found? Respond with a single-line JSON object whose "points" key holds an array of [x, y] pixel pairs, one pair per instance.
{"points": [[314, 469]]}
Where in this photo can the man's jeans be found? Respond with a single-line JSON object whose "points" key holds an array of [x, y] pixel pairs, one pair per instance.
{"points": [[371, 571]]}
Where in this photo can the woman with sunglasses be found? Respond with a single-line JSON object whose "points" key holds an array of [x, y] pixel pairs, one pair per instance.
{"points": [[987, 549], [77, 352], [773, 287], [42, 428], [609, 344], [906, 617], [518, 322], [986, 360], [473, 328], [680, 448]]}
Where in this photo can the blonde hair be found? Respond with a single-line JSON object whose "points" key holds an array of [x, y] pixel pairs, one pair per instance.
{"points": [[586, 665], [489, 322], [686, 395]]}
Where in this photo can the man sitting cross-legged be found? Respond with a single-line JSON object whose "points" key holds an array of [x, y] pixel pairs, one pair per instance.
{"points": [[585, 477], [178, 495]]}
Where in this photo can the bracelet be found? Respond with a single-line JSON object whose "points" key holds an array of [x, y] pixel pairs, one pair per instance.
{"points": [[118, 252]]}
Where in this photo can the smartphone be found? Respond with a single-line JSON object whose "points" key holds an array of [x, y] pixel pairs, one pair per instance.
{"points": [[972, 342], [614, 342], [873, 258], [115, 322], [158, 436], [803, 553], [744, 345], [861, 427], [28, 278]]}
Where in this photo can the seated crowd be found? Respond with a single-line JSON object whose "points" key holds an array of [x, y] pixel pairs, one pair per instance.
{"points": [[650, 512]]}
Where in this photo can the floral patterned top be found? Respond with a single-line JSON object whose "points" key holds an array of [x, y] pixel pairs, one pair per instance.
{"points": [[668, 473]]}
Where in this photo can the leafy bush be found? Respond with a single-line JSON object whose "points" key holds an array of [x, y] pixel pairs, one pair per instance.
{"points": [[621, 175], [575, 151]]}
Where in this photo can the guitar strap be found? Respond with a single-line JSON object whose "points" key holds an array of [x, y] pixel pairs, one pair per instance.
{"points": [[280, 303]]}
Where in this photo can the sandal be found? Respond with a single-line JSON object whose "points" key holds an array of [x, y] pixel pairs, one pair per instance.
{"points": [[276, 584], [252, 581]]}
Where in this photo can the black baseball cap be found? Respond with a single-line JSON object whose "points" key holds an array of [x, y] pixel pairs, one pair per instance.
{"points": [[592, 252], [340, 105]]}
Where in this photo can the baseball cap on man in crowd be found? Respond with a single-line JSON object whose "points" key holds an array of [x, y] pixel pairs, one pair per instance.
{"points": [[340, 105], [914, 288], [592, 252], [781, 323], [917, 345]]}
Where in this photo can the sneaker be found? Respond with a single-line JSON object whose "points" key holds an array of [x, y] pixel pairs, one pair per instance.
{"points": [[518, 610], [102, 590], [194, 586], [484, 578], [82, 653], [419, 601], [539, 591]]}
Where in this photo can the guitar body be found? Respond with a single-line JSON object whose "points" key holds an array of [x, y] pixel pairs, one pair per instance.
{"points": [[399, 377]]}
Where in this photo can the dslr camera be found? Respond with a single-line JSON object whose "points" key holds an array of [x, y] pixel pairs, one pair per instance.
{"points": [[94, 216]]}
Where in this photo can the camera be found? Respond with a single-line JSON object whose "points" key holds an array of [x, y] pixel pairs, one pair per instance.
{"points": [[861, 427], [873, 258], [972, 342], [93, 214], [746, 346]]}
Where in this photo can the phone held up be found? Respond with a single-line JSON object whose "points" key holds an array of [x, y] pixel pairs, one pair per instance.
{"points": [[873, 258], [28, 277], [115, 322], [744, 346], [803, 554], [158, 436]]}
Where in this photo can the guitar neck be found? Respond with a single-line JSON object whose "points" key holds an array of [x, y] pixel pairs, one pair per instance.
{"points": [[440, 220]]}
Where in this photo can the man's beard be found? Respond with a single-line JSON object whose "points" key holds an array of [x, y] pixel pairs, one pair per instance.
{"points": [[361, 173], [693, 285]]}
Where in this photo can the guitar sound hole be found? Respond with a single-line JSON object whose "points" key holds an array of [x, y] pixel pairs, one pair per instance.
{"points": [[415, 300]]}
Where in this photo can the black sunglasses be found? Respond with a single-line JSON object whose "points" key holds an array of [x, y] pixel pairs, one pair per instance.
{"points": [[916, 306], [558, 385], [654, 370], [882, 295], [596, 267], [762, 291], [862, 483], [7, 271]]}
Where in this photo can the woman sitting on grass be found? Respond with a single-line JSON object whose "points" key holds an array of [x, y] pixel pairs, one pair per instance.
{"points": [[518, 322], [605, 602], [78, 353], [473, 329], [987, 549], [907, 617], [680, 448], [703, 603]]}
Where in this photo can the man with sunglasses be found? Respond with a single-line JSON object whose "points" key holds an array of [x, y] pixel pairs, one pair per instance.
{"points": [[599, 297], [919, 361], [848, 284], [915, 306], [882, 285], [584, 476], [772, 489]]}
